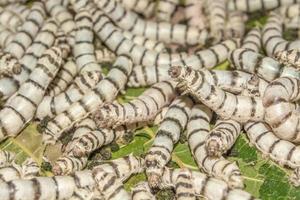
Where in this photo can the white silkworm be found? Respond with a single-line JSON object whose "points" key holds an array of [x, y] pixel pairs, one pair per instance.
{"points": [[143, 108], [142, 191], [281, 114], [143, 7], [6, 158], [165, 9], [67, 164], [10, 19], [20, 109], [104, 55], [164, 32], [235, 26], [226, 105], [205, 186], [281, 151], [194, 13], [105, 91], [64, 18], [265, 67], [167, 136], [252, 40], [44, 40], [197, 130], [63, 78], [184, 187], [9, 65], [289, 57], [217, 17], [222, 137], [251, 6]]}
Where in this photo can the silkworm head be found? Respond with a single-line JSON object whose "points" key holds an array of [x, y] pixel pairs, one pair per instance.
{"points": [[175, 72]]}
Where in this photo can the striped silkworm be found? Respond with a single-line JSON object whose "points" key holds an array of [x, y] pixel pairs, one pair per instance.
{"points": [[272, 36], [164, 32], [61, 41], [20, 109], [117, 43], [289, 57], [5, 2], [194, 13], [109, 185], [281, 151], [10, 19], [222, 137], [105, 91], [227, 105], [265, 67], [104, 55], [9, 65], [184, 187], [217, 18], [86, 194], [63, 17], [63, 78], [142, 108], [44, 40], [235, 26], [143, 7], [165, 9], [6, 158], [142, 191], [167, 136], [198, 129], [67, 164], [19, 9], [28, 169], [281, 114], [63, 187], [252, 40], [251, 6], [205, 186]]}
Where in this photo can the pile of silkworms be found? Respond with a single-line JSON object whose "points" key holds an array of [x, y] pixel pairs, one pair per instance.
{"points": [[54, 59]]}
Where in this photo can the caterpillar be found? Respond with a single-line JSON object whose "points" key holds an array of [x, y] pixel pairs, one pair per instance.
{"points": [[281, 114], [288, 58], [19, 9], [184, 188], [235, 26], [251, 6], [143, 7], [142, 191], [86, 194], [290, 11], [20, 109], [105, 91], [197, 131], [167, 136], [104, 55], [10, 19], [165, 9], [205, 186], [163, 31], [226, 105], [144, 107], [6, 36], [67, 164], [63, 17], [217, 18], [9, 65], [61, 41], [194, 13], [5, 2], [252, 40], [63, 78], [6, 158], [222, 137], [44, 40], [281, 151]]}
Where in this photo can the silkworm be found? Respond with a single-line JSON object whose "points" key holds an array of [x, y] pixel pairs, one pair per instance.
{"points": [[86, 194], [222, 137], [290, 11], [105, 91], [6, 36], [266, 67], [109, 186], [5, 2], [10, 19], [104, 55], [217, 17], [63, 78], [67, 164], [194, 13], [226, 105], [197, 130], [251, 6], [281, 151], [20, 9], [252, 40], [44, 40], [142, 191], [20, 109], [235, 26], [184, 187], [205, 186], [6, 158], [61, 41], [289, 57], [9, 65], [64, 18], [165, 9], [167, 136], [164, 32], [143, 7], [144, 107], [281, 114]]}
